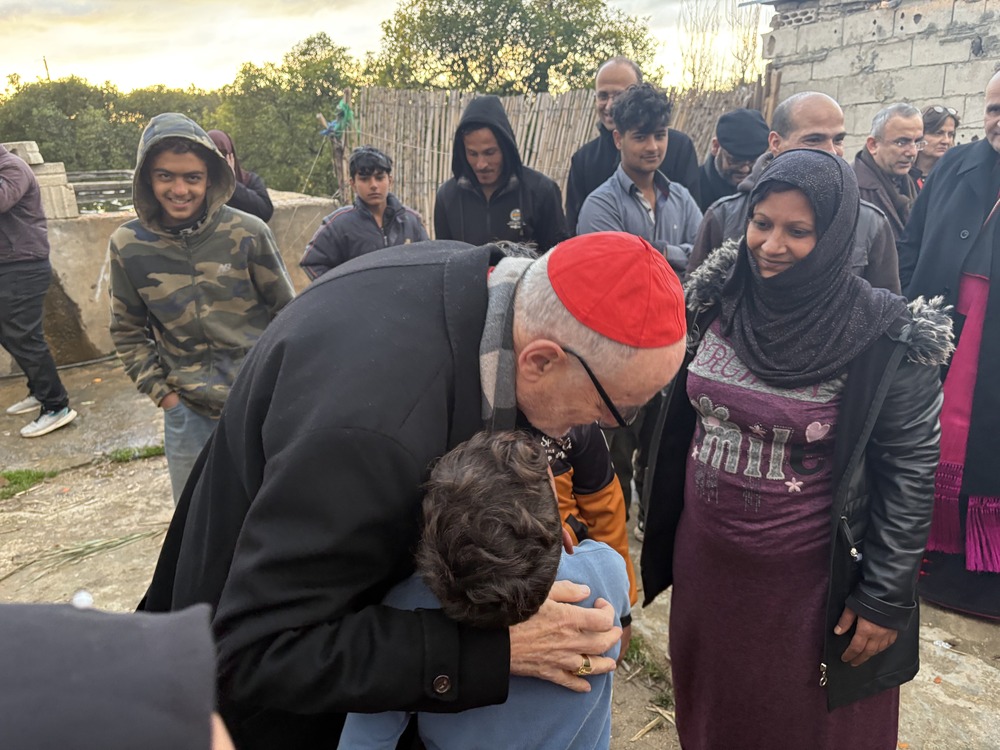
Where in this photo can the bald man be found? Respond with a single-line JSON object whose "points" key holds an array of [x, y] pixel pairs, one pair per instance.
{"points": [[805, 120]]}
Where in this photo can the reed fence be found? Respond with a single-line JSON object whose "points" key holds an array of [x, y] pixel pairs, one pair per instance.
{"points": [[417, 129]]}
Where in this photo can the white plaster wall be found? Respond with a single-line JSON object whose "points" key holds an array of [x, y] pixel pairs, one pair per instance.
{"points": [[868, 56]]}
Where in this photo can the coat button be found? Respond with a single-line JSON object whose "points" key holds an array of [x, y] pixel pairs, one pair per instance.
{"points": [[442, 684], [964, 234]]}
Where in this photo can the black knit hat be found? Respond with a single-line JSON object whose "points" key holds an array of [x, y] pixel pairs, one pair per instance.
{"points": [[743, 134]]}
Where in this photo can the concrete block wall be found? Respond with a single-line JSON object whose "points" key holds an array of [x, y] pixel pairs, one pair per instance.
{"points": [[77, 310], [868, 55]]}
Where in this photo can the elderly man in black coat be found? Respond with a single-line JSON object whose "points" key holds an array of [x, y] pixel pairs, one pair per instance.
{"points": [[304, 508]]}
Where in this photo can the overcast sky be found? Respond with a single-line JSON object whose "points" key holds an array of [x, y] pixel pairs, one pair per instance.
{"points": [[138, 43]]}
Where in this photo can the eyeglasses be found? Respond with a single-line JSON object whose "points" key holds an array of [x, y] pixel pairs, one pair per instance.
{"points": [[629, 416], [903, 143], [941, 110]]}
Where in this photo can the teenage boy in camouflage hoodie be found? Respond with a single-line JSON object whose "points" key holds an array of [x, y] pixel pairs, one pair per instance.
{"points": [[193, 284]]}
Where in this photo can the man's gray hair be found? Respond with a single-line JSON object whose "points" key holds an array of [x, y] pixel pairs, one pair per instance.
{"points": [[783, 120], [881, 119], [541, 314], [622, 60]]}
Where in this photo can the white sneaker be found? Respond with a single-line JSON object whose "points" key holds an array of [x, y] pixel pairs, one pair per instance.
{"points": [[23, 407], [47, 422]]}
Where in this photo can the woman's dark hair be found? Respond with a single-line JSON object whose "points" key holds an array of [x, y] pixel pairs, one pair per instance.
{"points": [[641, 108], [936, 115], [492, 535]]}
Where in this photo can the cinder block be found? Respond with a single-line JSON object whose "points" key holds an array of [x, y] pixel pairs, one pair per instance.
{"points": [[921, 82], [830, 87], [50, 174], [941, 49], [779, 43], [852, 144], [822, 35], [27, 150], [972, 114], [49, 168], [858, 118], [870, 88], [795, 73], [844, 62], [968, 11], [895, 55], [970, 77], [871, 25], [59, 201], [923, 17]]}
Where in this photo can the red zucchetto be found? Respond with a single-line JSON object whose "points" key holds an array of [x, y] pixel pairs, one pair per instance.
{"points": [[619, 286]]}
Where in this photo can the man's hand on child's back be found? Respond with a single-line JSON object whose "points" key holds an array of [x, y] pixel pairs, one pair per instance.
{"points": [[551, 645]]}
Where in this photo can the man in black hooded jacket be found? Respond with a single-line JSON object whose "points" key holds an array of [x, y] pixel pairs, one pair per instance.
{"points": [[493, 196]]}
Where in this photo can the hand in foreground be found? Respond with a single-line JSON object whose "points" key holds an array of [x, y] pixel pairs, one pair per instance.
{"points": [[552, 643], [169, 401], [869, 639]]}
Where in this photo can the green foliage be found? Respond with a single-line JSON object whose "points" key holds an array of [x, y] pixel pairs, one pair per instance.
{"points": [[270, 113], [89, 127], [505, 46], [21, 479], [124, 455]]}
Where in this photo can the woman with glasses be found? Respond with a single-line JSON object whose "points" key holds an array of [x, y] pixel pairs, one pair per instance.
{"points": [[940, 124], [793, 480]]}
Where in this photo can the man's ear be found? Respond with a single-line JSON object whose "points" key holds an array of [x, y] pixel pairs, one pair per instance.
{"points": [[618, 138], [773, 142], [871, 143], [538, 358], [715, 146]]}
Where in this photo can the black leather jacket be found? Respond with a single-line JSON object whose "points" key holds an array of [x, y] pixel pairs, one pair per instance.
{"points": [[885, 458]]}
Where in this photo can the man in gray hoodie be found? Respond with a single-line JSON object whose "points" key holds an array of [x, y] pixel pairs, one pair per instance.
{"points": [[25, 275]]}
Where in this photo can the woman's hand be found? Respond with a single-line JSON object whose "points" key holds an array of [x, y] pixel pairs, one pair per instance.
{"points": [[551, 644], [869, 639]]}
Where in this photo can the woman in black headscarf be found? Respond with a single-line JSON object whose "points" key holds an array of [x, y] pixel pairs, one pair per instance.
{"points": [[794, 477], [250, 195]]}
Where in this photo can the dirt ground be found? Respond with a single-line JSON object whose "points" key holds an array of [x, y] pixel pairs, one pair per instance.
{"points": [[98, 528]]}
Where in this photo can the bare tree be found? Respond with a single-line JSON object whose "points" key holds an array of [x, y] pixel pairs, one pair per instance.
{"points": [[700, 22], [744, 24]]}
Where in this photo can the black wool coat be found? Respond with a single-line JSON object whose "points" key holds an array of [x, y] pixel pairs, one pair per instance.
{"points": [[946, 219], [305, 506]]}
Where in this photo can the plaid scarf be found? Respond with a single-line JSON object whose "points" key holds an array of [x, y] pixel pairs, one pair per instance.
{"points": [[496, 349]]}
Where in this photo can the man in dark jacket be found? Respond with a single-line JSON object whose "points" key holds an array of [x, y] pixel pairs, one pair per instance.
{"points": [[25, 275], [805, 120], [740, 138], [305, 506], [883, 165], [597, 160], [376, 220], [951, 247], [492, 195]]}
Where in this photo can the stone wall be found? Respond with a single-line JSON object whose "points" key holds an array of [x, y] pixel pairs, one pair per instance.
{"points": [[867, 55], [77, 310]]}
